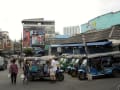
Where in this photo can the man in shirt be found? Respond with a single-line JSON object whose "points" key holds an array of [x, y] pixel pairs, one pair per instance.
{"points": [[53, 69]]}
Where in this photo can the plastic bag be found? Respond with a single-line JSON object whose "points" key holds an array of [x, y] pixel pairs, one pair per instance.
{"points": [[22, 76], [9, 75]]}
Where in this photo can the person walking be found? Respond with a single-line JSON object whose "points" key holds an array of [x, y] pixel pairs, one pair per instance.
{"points": [[13, 70], [20, 62], [26, 66]]}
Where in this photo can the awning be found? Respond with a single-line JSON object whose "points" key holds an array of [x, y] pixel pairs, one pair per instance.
{"points": [[80, 45], [99, 43], [66, 45]]}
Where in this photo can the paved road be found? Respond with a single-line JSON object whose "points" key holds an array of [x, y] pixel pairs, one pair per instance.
{"points": [[68, 84]]}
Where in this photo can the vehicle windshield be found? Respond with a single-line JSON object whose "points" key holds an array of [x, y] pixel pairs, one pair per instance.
{"points": [[84, 63], [73, 60], [64, 60], [77, 60], [61, 59]]}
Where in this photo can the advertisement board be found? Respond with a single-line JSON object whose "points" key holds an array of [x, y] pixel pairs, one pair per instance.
{"points": [[37, 39], [33, 37], [26, 38]]}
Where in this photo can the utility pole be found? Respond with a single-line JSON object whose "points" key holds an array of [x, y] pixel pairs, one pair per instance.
{"points": [[85, 46], [14, 46], [21, 44], [86, 53]]}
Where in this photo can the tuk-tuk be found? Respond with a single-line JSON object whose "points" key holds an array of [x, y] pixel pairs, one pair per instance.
{"points": [[100, 64], [36, 70], [75, 65], [65, 61], [70, 65]]}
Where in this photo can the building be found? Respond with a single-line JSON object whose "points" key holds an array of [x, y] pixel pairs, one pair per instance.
{"points": [[72, 30], [102, 22], [61, 37], [100, 41], [37, 31], [5, 42]]}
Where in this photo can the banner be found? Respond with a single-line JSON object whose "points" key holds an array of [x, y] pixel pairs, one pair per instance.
{"points": [[37, 39], [26, 38]]}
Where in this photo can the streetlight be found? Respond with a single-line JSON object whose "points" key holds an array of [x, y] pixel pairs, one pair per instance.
{"points": [[21, 44]]}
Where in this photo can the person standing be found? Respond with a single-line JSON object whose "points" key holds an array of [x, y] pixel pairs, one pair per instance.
{"points": [[45, 68], [20, 62], [53, 69], [13, 70]]}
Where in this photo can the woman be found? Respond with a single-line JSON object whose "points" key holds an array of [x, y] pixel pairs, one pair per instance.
{"points": [[13, 70]]}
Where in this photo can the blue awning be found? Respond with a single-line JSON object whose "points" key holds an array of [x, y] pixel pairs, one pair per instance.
{"points": [[99, 43], [80, 45], [65, 45]]}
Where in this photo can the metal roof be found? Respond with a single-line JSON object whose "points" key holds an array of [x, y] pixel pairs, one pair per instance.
{"points": [[111, 33], [88, 44], [103, 54]]}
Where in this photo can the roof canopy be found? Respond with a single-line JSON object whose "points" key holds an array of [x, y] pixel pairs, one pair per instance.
{"points": [[88, 44], [107, 34]]}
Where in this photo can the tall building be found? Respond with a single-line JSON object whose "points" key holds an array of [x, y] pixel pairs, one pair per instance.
{"points": [[72, 30], [37, 31]]}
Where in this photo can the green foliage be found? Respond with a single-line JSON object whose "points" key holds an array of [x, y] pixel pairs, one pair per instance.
{"points": [[28, 51]]}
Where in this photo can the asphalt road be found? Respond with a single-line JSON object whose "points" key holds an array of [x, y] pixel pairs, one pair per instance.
{"points": [[68, 84]]}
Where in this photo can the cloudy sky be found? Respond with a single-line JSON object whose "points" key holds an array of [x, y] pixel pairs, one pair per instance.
{"points": [[64, 12]]}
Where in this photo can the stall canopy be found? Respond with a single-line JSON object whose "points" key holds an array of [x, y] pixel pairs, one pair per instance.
{"points": [[80, 45]]}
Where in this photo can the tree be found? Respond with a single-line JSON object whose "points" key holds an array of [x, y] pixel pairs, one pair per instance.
{"points": [[28, 51]]}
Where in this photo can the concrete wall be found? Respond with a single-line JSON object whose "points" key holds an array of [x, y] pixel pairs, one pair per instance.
{"points": [[102, 22]]}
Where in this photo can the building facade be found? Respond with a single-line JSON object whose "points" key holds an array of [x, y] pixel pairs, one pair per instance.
{"points": [[5, 42], [102, 22], [37, 31], [72, 30], [96, 42]]}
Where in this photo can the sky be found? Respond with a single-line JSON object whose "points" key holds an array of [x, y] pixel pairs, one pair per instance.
{"points": [[64, 12]]}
